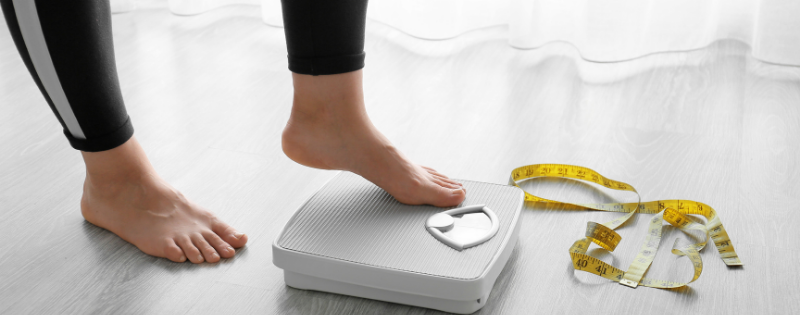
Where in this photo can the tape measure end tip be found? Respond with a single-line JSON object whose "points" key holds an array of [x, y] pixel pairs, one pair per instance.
{"points": [[733, 262], [628, 283]]}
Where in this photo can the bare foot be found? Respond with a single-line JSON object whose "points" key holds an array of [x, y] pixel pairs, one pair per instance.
{"points": [[123, 194], [329, 129]]}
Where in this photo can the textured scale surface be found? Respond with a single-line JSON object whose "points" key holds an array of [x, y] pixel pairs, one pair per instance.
{"points": [[353, 220]]}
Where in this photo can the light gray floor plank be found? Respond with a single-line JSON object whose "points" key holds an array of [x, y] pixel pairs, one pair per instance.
{"points": [[209, 95]]}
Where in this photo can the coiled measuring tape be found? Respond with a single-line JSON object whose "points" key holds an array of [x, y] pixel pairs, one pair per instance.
{"points": [[673, 211]]}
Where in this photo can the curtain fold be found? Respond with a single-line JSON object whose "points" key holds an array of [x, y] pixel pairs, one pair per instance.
{"points": [[616, 30], [601, 30]]}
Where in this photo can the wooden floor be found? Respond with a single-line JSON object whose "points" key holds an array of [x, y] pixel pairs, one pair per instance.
{"points": [[209, 95]]}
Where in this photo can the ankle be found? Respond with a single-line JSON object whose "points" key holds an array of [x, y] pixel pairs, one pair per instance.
{"points": [[328, 97], [125, 163]]}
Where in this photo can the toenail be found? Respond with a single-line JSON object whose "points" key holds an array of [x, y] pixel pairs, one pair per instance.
{"points": [[200, 257], [238, 235], [229, 249], [182, 259]]}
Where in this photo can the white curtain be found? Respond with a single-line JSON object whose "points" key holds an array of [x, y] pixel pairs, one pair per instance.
{"points": [[601, 30]]}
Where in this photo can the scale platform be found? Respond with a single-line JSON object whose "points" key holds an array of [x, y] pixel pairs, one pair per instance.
{"points": [[353, 238]]}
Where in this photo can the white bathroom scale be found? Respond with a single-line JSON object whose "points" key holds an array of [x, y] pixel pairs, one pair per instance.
{"points": [[353, 238]]}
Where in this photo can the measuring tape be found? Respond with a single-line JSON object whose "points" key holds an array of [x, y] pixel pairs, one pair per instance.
{"points": [[673, 211]]}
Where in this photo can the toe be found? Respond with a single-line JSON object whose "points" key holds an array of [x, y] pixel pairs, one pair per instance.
{"points": [[445, 184], [449, 181], [224, 249], [208, 251], [430, 170], [454, 182], [173, 252], [229, 234], [439, 176], [191, 251], [447, 197], [435, 173]]}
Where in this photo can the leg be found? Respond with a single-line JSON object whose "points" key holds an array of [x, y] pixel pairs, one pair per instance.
{"points": [[67, 47], [329, 127]]}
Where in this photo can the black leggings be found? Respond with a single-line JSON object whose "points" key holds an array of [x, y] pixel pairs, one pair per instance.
{"points": [[67, 47]]}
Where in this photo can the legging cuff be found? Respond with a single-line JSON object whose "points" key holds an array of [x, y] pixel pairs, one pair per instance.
{"points": [[106, 142], [326, 65]]}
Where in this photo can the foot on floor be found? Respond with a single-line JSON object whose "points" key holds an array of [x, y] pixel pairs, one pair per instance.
{"points": [[123, 194]]}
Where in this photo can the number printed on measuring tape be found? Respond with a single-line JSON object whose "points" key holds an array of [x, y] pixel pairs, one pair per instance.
{"points": [[675, 212]]}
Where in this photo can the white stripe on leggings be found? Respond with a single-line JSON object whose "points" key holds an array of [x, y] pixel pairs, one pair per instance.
{"points": [[28, 19]]}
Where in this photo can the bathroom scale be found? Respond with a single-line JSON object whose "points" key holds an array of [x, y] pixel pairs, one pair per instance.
{"points": [[353, 238]]}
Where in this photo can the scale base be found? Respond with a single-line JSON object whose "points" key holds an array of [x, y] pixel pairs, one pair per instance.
{"points": [[306, 282], [353, 238]]}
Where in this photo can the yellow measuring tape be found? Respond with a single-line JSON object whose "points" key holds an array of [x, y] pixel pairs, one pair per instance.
{"points": [[673, 211]]}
